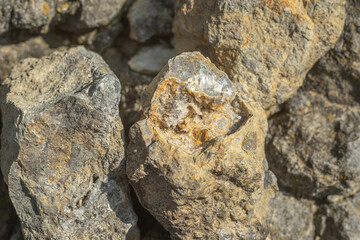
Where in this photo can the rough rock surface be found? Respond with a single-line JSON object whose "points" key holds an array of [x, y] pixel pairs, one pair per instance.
{"points": [[148, 18], [150, 60], [343, 219], [69, 15], [337, 74], [265, 46], [291, 218], [62, 151], [11, 54], [200, 148], [314, 147]]}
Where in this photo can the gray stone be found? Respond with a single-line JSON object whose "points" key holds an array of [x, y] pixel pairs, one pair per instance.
{"points": [[196, 160], [150, 60], [74, 16], [314, 147], [148, 18], [337, 74], [62, 151], [291, 218]]}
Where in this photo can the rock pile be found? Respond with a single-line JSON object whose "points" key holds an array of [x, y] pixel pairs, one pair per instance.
{"points": [[180, 119]]}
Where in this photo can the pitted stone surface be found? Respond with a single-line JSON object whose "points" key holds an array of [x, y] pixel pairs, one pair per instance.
{"points": [[201, 149], [314, 147], [62, 148], [266, 47]]}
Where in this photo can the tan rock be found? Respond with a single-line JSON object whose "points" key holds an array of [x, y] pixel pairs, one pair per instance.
{"points": [[265, 46], [196, 161]]}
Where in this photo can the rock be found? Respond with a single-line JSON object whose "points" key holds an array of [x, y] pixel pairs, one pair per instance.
{"points": [[9, 222], [200, 148], [265, 46], [150, 60], [314, 147], [291, 217], [74, 16], [337, 74], [5, 15], [62, 151], [93, 14], [344, 218], [11, 54], [148, 18]]}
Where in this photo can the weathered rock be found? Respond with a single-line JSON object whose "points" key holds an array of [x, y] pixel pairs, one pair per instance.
{"points": [[11, 54], [68, 15], [291, 218], [265, 46], [314, 147], [62, 150], [148, 18], [200, 148], [9, 223], [95, 13], [150, 60], [337, 74], [343, 219], [5, 15]]}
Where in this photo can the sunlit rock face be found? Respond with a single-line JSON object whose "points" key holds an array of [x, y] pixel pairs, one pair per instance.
{"points": [[200, 148], [266, 47]]}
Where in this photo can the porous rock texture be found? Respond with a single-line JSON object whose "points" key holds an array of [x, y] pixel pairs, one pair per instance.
{"points": [[148, 18], [62, 148], [69, 15], [196, 160], [337, 74], [11, 54], [314, 147], [291, 218], [265, 46]]}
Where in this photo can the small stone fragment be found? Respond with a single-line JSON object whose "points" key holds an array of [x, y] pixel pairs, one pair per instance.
{"points": [[62, 148], [291, 217], [148, 18], [196, 160], [150, 60], [265, 46], [314, 147]]}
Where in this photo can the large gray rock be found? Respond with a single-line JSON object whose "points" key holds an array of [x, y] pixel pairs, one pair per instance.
{"points": [[291, 218], [62, 148], [148, 18], [313, 147], [196, 160], [265, 46], [337, 74]]}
